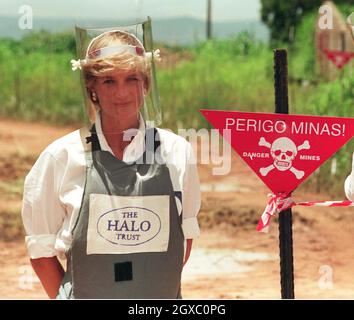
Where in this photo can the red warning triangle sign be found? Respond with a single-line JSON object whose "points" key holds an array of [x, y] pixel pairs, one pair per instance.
{"points": [[283, 150], [339, 58]]}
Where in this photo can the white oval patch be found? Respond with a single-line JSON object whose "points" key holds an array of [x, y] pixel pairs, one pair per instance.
{"points": [[129, 226]]}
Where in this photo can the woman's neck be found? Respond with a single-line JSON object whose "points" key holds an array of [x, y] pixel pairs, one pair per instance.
{"points": [[115, 134]]}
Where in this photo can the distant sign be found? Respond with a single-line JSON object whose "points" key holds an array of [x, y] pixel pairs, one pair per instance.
{"points": [[283, 150]]}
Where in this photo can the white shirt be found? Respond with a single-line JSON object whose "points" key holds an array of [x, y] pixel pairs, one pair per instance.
{"points": [[53, 189], [349, 184]]}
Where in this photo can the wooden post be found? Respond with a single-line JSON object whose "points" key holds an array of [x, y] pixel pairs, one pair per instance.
{"points": [[208, 26], [285, 217]]}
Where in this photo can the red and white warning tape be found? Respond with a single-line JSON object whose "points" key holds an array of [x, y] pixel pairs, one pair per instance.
{"points": [[280, 202]]}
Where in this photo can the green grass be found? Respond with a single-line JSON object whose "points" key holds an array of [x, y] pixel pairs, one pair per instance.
{"points": [[222, 75]]}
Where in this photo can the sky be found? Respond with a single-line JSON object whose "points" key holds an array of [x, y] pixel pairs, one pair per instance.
{"points": [[223, 10]]}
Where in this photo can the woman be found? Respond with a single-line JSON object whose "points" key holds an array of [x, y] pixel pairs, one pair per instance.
{"points": [[120, 208]]}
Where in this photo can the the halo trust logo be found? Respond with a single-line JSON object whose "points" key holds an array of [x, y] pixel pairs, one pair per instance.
{"points": [[129, 226]]}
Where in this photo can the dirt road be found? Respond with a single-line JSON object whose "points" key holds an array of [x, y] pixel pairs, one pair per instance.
{"points": [[230, 260]]}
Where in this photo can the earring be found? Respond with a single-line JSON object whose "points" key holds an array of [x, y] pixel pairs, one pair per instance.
{"points": [[94, 96]]}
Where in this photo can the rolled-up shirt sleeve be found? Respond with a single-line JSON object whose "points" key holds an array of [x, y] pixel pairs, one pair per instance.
{"points": [[191, 197], [42, 213], [349, 184]]}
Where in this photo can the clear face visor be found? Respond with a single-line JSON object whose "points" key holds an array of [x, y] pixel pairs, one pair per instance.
{"points": [[118, 79]]}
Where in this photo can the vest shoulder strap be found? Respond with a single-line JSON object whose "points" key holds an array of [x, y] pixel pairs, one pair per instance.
{"points": [[84, 133]]}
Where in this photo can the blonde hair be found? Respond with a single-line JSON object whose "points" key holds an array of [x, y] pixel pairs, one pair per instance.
{"points": [[98, 67]]}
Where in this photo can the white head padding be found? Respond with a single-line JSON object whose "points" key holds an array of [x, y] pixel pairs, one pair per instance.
{"points": [[114, 49]]}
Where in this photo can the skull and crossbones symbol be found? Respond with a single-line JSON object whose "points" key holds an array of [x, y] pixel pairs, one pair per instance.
{"points": [[283, 151]]}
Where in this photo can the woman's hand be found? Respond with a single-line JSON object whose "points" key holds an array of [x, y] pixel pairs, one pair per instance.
{"points": [[188, 251], [50, 272]]}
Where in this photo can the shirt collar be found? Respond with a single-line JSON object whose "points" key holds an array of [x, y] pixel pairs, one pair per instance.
{"points": [[135, 148]]}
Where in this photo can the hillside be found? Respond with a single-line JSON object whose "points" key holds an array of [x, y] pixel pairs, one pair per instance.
{"points": [[176, 31]]}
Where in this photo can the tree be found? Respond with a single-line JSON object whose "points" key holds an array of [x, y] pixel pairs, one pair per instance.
{"points": [[283, 16]]}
